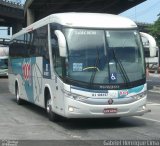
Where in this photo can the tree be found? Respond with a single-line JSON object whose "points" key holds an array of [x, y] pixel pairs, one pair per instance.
{"points": [[155, 30]]}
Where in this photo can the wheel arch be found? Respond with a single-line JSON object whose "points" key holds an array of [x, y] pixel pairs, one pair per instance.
{"points": [[47, 90]]}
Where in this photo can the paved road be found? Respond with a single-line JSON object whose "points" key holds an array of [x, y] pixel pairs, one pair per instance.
{"points": [[29, 122]]}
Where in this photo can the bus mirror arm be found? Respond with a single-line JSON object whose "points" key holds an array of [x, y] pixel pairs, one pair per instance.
{"points": [[61, 43]]}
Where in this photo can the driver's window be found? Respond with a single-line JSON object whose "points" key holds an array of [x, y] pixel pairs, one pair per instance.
{"points": [[57, 61]]}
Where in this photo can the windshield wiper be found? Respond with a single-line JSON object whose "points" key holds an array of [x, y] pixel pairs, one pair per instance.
{"points": [[122, 70], [94, 72]]}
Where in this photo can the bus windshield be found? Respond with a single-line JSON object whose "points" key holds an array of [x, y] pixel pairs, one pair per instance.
{"points": [[3, 63], [104, 56]]}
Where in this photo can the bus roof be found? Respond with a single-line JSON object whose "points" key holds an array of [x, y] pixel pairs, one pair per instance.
{"points": [[93, 20], [84, 20]]}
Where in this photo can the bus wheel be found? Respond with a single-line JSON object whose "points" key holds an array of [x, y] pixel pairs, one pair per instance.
{"points": [[18, 99], [51, 115]]}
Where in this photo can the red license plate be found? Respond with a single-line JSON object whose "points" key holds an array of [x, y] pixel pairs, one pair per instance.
{"points": [[110, 110]]}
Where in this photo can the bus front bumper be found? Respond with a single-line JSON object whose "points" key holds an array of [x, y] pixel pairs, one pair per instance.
{"points": [[76, 109]]}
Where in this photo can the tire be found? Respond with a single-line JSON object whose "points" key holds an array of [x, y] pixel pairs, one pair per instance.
{"points": [[18, 99], [51, 115]]}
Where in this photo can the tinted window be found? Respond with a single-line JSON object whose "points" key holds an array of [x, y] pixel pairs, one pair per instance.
{"points": [[31, 44]]}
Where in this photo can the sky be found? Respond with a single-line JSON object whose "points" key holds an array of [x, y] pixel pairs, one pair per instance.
{"points": [[145, 12]]}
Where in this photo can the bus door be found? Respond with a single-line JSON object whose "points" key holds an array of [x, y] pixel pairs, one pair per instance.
{"points": [[58, 95], [58, 86]]}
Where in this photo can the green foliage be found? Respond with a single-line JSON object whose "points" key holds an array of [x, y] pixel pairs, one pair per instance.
{"points": [[154, 30]]}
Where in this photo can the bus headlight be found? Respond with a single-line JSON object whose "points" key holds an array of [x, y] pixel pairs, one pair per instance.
{"points": [[74, 96], [140, 96], [78, 97]]}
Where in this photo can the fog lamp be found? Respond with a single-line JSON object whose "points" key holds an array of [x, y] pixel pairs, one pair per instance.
{"points": [[71, 109]]}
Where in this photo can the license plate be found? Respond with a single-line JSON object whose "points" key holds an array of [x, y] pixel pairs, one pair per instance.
{"points": [[110, 110]]}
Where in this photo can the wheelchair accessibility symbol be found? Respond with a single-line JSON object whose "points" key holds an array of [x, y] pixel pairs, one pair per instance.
{"points": [[113, 76]]}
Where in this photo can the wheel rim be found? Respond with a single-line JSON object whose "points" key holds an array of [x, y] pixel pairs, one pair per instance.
{"points": [[48, 105], [17, 94]]}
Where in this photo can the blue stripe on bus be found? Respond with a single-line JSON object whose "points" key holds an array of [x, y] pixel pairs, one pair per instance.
{"points": [[89, 90], [17, 69], [121, 93]]}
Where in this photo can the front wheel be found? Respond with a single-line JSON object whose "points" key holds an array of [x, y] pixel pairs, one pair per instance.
{"points": [[18, 99], [51, 115]]}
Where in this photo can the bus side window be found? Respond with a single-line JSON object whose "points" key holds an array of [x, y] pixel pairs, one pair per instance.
{"points": [[29, 42], [40, 43], [57, 61]]}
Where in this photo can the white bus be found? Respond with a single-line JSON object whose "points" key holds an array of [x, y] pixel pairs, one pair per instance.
{"points": [[80, 65], [4, 50]]}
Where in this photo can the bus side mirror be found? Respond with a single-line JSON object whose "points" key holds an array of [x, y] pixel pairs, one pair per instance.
{"points": [[152, 43], [61, 43]]}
